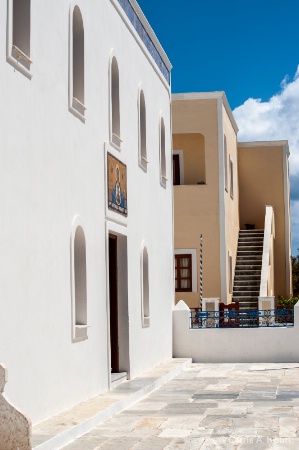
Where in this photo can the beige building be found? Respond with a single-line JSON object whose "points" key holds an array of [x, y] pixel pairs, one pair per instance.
{"points": [[221, 190]]}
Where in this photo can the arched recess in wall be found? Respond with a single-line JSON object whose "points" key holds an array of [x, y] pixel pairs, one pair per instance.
{"points": [[18, 35], [145, 304], [162, 153], [115, 134], [77, 66], [142, 147], [21, 25], [78, 280], [189, 157]]}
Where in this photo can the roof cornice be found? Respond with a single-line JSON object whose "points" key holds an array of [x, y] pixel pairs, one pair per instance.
{"points": [[209, 96], [263, 143], [284, 144], [151, 33]]}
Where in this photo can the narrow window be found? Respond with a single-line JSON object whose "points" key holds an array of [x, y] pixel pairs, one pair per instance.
{"points": [[78, 62], [145, 289], [142, 132], [231, 169], [176, 169], [225, 165], [79, 283], [80, 277], [162, 153], [230, 271], [21, 32], [115, 108], [183, 273]]}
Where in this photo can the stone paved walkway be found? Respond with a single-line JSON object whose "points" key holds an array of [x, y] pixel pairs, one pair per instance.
{"points": [[209, 406]]}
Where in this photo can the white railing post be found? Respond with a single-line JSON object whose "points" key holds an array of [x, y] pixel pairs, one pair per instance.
{"points": [[268, 249]]}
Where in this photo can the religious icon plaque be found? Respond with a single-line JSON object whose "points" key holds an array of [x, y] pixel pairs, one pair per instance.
{"points": [[117, 185]]}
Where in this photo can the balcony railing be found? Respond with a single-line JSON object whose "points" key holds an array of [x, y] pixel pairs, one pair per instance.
{"points": [[242, 318], [136, 22]]}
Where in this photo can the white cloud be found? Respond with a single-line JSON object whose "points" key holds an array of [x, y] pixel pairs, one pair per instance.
{"points": [[276, 119]]}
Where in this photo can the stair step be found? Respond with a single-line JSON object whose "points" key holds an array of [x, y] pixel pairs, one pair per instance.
{"points": [[244, 284], [253, 300], [249, 251], [254, 230], [258, 238], [247, 288], [246, 293], [248, 270], [248, 258]]}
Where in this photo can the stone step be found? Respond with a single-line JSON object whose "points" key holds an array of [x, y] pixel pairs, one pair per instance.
{"points": [[250, 251], [246, 283], [246, 293], [251, 240], [243, 260], [248, 248], [248, 306], [255, 230], [245, 299], [247, 288], [63, 428], [246, 271], [249, 257]]}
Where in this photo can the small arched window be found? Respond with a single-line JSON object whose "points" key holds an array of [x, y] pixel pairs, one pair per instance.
{"points": [[78, 62], [79, 283], [114, 101], [162, 153], [21, 32], [142, 131], [145, 288]]}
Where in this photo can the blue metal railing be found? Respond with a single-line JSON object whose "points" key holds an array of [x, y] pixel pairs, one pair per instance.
{"points": [[242, 318], [134, 19]]}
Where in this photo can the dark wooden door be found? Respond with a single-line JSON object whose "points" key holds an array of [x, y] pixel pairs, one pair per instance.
{"points": [[113, 303]]}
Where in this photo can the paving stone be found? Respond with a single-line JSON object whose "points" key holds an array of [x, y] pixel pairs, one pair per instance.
{"points": [[174, 432], [151, 444], [185, 444], [208, 406]]}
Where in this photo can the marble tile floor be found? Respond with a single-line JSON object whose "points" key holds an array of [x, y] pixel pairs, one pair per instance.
{"points": [[209, 406], [64, 427]]}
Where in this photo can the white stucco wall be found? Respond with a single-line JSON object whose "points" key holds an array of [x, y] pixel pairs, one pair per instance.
{"points": [[231, 345], [52, 168]]}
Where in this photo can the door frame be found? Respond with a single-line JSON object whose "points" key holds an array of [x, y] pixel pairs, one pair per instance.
{"points": [[121, 233]]}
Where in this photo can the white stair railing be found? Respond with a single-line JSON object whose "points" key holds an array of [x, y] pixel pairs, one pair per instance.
{"points": [[267, 272]]}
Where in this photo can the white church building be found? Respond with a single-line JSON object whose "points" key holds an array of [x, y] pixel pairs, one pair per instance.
{"points": [[86, 200]]}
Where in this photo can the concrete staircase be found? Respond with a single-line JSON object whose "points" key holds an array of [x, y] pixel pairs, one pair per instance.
{"points": [[248, 269]]}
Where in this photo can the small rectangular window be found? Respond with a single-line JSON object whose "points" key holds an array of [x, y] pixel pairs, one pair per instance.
{"points": [[183, 273]]}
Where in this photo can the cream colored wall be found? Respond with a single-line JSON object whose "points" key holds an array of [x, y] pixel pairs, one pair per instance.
{"points": [[261, 182], [196, 207], [194, 156], [231, 204]]}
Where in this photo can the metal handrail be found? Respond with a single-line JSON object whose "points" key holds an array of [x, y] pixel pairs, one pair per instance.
{"points": [[242, 318]]}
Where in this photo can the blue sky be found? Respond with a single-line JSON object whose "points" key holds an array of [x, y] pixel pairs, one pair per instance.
{"points": [[250, 50]]}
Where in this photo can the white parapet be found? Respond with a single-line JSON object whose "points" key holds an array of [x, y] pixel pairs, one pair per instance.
{"points": [[15, 427]]}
